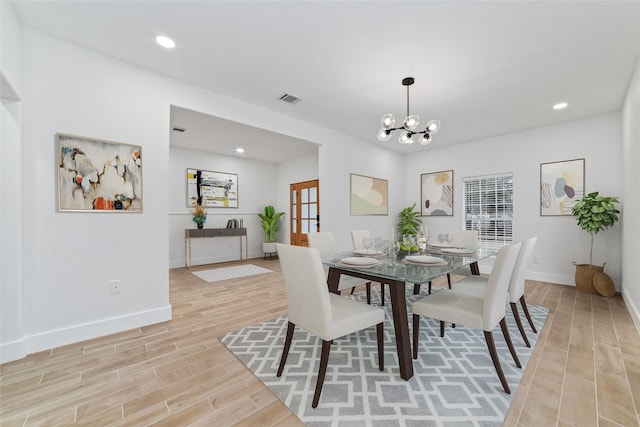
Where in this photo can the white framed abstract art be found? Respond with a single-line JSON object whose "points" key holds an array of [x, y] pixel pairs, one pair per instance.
{"points": [[436, 191], [98, 176]]}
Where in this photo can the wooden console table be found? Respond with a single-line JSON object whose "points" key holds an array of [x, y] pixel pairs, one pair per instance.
{"points": [[190, 233]]}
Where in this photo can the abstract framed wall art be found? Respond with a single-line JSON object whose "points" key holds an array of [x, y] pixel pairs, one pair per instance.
{"points": [[436, 192], [561, 186], [212, 189], [98, 176], [369, 196]]}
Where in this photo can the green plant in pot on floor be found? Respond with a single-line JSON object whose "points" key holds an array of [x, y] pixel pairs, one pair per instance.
{"points": [[593, 214], [409, 222], [269, 221]]}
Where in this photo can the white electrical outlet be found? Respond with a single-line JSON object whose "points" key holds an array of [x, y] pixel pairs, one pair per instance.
{"points": [[115, 286]]}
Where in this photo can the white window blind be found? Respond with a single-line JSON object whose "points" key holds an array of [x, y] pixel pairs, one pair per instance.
{"points": [[488, 208]]}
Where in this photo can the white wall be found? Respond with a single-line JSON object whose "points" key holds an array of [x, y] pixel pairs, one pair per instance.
{"points": [[631, 192], [69, 258], [561, 241], [11, 302], [256, 189]]}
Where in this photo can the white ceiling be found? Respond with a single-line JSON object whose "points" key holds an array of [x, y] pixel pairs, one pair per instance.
{"points": [[483, 68]]}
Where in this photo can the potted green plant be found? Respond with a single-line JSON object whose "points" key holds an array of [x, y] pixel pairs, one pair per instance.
{"points": [[409, 222], [593, 214], [269, 221]]}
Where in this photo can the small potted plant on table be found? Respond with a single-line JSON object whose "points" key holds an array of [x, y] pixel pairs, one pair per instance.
{"points": [[199, 215]]}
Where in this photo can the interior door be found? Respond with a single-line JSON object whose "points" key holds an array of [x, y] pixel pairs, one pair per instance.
{"points": [[304, 200]]}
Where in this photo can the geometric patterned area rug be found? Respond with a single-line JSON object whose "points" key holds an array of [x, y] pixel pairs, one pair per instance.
{"points": [[226, 273], [454, 382]]}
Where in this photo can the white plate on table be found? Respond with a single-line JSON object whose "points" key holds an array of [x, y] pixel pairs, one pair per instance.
{"points": [[367, 252], [458, 251], [424, 260], [359, 261]]}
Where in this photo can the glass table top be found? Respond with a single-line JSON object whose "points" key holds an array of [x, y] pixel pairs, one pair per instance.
{"points": [[440, 262]]}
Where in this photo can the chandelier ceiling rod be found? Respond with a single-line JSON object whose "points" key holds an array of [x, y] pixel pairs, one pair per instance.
{"points": [[409, 125]]}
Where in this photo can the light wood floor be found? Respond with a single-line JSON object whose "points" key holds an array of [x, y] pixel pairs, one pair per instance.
{"points": [[585, 370]]}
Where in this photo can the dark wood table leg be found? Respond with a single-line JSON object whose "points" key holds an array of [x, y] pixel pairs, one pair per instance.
{"points": [[333, 279], [401, 325], [475, 269]]}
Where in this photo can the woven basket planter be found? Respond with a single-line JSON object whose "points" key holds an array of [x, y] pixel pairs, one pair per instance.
{"points": [[584, 277]]}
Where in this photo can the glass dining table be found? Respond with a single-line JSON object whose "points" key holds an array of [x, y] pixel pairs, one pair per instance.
{"points": [[396, 273]]}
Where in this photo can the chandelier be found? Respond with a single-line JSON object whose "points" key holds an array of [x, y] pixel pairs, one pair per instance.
{"points": [[409, 125]]}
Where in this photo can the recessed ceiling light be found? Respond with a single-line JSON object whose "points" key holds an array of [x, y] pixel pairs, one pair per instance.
{"points": [[165, 42], [560, 106], [240, 150]]}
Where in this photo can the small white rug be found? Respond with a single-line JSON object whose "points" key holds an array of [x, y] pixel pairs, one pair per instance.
{"points": [[226, 273]]}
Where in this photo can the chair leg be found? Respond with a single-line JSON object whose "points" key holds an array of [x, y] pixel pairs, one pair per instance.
{"points": [[514, 310], [416, 333], [380, 336], [488, 336], [382, 294], [526, 313], [449, 280], [368, 285], [353, 289], [324, 358], [429, 287], [507, 338], [416, 289], [442, 328], [287, 345]]}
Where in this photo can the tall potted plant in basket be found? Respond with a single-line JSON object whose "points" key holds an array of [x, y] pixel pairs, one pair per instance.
{"points": [[593, 214], [269, 221]]}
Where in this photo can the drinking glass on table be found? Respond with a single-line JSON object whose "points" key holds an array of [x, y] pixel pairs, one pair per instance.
{"points": [[392, 248], [442, 238], [367, 242], [449, 238]]}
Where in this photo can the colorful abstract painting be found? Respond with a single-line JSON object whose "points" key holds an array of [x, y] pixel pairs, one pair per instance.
{"points": [[561, 186], [98, 176], [436, 191], [369, 196], [212, 189]]}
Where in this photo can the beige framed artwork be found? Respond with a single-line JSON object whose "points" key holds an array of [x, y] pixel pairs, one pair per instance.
{"points": [[369, 196], [561, 186]]}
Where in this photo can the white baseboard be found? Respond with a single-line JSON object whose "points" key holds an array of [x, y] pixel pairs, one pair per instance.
{"points": [[213, 260], [77, 333], [560, 279], [633, 309], [13, 351]]}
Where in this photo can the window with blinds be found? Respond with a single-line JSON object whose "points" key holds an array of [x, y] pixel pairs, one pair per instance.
{"points": [[488, 208]]}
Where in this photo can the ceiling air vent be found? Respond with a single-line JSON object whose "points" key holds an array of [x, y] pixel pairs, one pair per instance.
{"points": [[177, 129], [289, 99]]}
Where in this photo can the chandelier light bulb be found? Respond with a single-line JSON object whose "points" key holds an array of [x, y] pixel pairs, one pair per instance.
{"points": [[411, 122], [405, 138], [384, 135], [388, 121], [425, 139], [433, 126]]}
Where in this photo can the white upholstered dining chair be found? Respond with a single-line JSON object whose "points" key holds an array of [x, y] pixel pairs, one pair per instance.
{"points": [[311, 306], [477, 312], [476, 285], [467, 239], [325, 244]]}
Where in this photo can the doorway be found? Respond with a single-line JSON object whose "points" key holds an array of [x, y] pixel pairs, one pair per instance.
{"points": [[304, 200]]}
